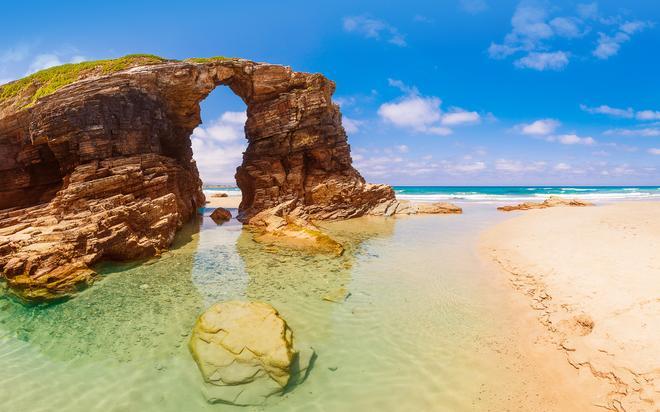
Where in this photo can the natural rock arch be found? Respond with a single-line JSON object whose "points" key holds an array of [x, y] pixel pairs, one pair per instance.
{"points": [[103, 167]]}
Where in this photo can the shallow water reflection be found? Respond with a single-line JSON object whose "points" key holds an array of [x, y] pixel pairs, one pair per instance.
{"points": [[409, 337]]}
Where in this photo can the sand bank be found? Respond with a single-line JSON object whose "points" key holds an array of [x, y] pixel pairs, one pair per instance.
{"points": [[229, 202], [593, 276]]}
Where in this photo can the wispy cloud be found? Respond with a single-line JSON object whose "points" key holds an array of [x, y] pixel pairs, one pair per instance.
{"points": [[543, 61], [571, 139], [654, 151], [627, 113], [372, 28], [546, 129], [473, 6], [609, 44], [535, 33], [517, 166], [608, 110], [641, 132]]}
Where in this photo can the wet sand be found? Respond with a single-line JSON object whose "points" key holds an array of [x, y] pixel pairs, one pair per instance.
{"points": [[592, 275], [229, 202]]}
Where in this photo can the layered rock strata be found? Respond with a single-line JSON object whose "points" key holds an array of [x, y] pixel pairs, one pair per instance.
{"points": [[102, 168], [96, 161]]}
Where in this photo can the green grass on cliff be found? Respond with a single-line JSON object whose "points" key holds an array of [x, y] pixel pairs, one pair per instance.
{"points": [[206, 59], [28, 90], [48, 81]]}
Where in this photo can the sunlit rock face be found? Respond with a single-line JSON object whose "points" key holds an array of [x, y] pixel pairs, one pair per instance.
{"points": [[103, 168]]}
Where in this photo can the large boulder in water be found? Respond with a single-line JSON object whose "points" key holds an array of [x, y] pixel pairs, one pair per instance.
{"points": [[245, 353]]}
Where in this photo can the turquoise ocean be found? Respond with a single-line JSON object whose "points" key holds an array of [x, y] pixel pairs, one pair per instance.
{"points": [[499, 194]]}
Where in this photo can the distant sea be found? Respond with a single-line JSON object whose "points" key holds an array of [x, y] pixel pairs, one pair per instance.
{"points": [[488, 194], [496, 194]]}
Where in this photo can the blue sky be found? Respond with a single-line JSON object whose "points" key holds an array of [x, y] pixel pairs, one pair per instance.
{"points": [[433, 92]]}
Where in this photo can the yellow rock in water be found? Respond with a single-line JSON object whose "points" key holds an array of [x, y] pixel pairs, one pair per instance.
{"points": [[244, 351]]}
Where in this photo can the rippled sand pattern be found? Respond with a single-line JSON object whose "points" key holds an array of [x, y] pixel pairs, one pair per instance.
{"points": [[418, 331]]}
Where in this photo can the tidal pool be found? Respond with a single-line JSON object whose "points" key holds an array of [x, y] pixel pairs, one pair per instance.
{"points": [[423, 327]]}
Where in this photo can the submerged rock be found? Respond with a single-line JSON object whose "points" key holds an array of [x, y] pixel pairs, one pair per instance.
{"points": [[338, 295], [292, 232], [552, 201], [245, 353], [221, 215]]}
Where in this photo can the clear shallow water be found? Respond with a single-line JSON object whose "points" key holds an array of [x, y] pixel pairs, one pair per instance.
{"points": [[418, 332]]}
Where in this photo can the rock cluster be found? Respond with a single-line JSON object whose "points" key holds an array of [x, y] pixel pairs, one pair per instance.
{"points": [[552, 201], [245, 353], [405, 207]]}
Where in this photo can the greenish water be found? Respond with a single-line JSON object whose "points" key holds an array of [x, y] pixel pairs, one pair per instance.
{"points": [[420, 330]]}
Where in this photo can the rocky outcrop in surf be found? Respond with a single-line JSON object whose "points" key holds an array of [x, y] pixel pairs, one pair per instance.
{"points": [[552, 201]]}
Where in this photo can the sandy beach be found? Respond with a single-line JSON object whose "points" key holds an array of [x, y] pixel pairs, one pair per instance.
{"points": [[229, 202], [593, 276]]}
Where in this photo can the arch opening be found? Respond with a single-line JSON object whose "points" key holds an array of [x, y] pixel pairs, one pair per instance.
{"points": [[218, 143]]}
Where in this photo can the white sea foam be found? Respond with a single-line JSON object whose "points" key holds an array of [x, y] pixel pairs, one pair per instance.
{"points": [[496, 198]]}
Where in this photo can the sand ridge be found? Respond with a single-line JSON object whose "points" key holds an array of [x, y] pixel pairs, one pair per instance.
{"points": [[593, 275]]}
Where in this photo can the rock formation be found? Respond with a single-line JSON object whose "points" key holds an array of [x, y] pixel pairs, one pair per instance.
{"points": [[405, 207], [102, 168], [552, 201], [245, 352]]}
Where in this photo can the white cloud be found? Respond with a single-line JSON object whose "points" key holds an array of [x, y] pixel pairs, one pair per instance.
{"points": [[648, 115], [402, 148], [459, 117], [571, 139], [422, 114], [473, 6], [610, 111], [543, 61], [539, 128], [654, 151], [416, 112], [227, 128], [517, 166], [644, 132], [218, 148], [351, 126], [374, 29]]}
